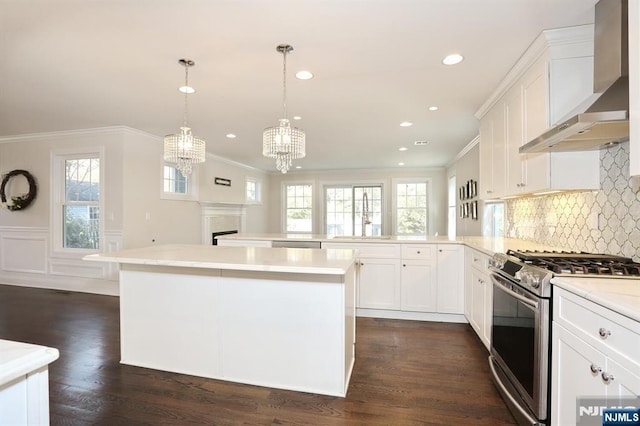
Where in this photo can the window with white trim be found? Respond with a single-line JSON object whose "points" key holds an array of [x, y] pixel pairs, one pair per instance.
{"points": [[174, 182], [176, 186], [77, 214], [344, 206], [411, 208], [298, 208], [253, 191]]}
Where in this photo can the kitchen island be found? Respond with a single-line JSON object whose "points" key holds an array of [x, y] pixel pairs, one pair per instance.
{"points": [[275, 317]]}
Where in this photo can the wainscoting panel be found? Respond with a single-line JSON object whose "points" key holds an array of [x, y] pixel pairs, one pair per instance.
{"points": [[24, 250]]}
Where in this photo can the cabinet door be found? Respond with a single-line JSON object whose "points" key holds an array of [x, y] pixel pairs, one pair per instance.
{"points": [[576, 369], [418, 290], [514, 140], [625, 383], [488, 312], [477, 302], [535, 113], [379, 284], [492, 154], [450, 279]]}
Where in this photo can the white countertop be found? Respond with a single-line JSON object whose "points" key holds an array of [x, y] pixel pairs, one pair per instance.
{"points": [[18, 359], [289, 260], [618, 294], [489, 245]]}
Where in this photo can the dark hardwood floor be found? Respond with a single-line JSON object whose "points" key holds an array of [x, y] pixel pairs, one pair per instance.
{"points": [[406, 373]]}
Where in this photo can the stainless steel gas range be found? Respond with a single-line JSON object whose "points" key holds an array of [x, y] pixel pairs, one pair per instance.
{"points": [[521, 321]]}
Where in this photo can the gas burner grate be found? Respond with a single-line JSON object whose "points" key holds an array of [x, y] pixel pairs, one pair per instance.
{"points": [[579, 263]]}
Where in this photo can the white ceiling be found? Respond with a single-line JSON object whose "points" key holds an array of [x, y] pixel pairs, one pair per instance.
{"points": [[75, 64]]}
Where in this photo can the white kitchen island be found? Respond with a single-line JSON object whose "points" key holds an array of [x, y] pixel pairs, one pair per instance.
{"points": [[275, 317]]}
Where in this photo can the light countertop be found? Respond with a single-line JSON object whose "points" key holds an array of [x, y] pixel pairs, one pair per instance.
{"points": [[618, 294], [289, 260], [489, 245], [19, 359]]}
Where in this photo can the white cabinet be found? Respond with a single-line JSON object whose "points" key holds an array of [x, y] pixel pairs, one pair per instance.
{"points": [[634, 87], [450, 279], [546, 85], [594, 355], [379, 274], [492, 154], [478, 294], [419, 278]]}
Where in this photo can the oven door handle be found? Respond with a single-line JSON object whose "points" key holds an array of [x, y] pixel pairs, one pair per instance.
{"points": [[512, 293]]}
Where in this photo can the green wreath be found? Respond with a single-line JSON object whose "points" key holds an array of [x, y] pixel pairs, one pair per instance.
{"points": [[19, 202]]}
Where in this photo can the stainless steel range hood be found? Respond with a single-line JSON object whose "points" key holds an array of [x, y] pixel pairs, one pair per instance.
{"points": [[606, 121]]}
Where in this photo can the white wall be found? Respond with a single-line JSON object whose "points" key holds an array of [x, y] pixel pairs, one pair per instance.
{"points": [[438, 191], [134, 214]]}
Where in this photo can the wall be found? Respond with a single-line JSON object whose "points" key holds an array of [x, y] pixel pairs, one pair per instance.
{"points": [[438, 190], [604, 221], [134, 214], [465, 168]]}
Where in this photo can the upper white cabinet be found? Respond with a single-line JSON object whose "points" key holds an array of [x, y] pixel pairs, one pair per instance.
{"points": [[547, 84], [634, 87]]}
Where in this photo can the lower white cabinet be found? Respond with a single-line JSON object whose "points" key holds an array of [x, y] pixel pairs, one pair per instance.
{"points": [[478, 294], [379, 283], [594, 356], [418, 281], [450, 288]]}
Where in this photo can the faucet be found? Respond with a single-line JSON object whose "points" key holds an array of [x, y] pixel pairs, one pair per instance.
{"points": [[365, 214]]}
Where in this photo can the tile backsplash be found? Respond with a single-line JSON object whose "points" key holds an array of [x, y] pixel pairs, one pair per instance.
{"points": [[604, 221]]}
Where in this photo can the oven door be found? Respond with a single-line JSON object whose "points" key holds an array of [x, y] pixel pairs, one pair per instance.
{"points": [[520, 347]]}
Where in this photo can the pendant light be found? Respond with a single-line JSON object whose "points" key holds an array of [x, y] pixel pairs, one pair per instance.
{"points": [[283, 142], [183, 148]]}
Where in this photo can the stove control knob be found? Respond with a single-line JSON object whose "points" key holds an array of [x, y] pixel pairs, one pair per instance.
{"points": [[534, 281]]}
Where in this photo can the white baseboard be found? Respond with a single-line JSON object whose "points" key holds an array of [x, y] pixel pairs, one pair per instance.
{"points": [[414, 316]]}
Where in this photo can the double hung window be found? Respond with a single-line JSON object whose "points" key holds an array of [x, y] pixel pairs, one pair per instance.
{"points": [[298, 207]]}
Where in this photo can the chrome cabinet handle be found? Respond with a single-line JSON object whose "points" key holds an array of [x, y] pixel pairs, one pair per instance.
{"points": [[595, 369], [606, 377], [604, 333], [404, 264], [418, 252], [489, 192]]}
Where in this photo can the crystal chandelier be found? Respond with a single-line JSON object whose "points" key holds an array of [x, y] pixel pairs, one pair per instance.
{"points": [[283, 142], [183, 148]]}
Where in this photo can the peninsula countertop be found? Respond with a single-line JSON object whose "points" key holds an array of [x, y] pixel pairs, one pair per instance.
{"points": [[288, 260], [489, 245]]}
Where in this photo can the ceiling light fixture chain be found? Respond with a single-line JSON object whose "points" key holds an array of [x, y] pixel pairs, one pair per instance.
{"points": [[183, 149], [283, 142]]}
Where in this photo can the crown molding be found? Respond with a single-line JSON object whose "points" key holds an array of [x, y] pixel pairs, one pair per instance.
{"points": [[475, 141], [47, 136]]}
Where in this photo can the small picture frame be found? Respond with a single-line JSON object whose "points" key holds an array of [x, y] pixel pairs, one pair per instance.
{"points": [[474, 210], [474, 189]]}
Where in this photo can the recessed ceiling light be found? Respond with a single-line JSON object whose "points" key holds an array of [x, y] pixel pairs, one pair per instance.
{"points": [[452, 59], [304, 75], [298, 167], [420, 143], [231, 136], [297, 117], [400, 164], [403, 148], [433, 108], [186, 89], [406, 124]]}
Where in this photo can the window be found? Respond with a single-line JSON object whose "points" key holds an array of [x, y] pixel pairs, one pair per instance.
{"points": [[411, 208], [77, 212], [344, 207], [253, 191], [176, 186], [173, 181], [493, 219], [298, 207]]}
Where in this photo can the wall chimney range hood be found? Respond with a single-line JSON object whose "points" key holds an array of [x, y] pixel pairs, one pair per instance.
{"points": [[606, 121]]}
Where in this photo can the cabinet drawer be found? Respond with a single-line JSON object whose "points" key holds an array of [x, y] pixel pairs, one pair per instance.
{"points": [[366, 250], [415, 251], [478, 260], [605, 329]]}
